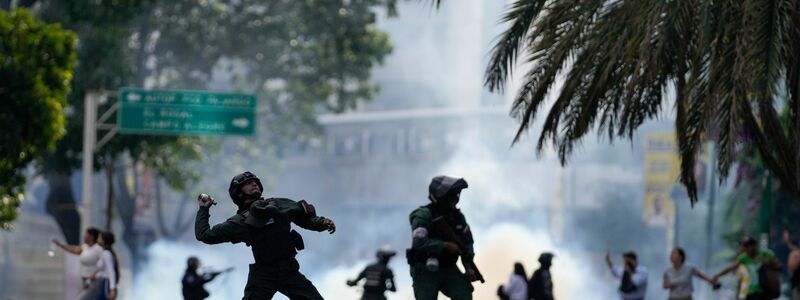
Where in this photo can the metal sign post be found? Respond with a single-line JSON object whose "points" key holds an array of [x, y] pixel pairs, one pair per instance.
{"points": [[159, 112]]}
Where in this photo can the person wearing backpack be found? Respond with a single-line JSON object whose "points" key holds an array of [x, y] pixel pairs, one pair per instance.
{"points": [[633, 285], [761, 268]]}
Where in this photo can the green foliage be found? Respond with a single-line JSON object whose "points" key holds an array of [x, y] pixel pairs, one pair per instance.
{"points": [[726, 62], [300, 57], [743, 205], [36, 61], [102, 65]]}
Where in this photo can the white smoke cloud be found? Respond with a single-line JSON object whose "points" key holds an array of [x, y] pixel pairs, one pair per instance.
{"points": [[512, 203], [161, 276], [506, 243]]}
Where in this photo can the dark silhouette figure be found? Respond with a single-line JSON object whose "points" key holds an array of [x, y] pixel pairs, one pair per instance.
{"points": [[193, 282], [379, 278], [540, 287]]}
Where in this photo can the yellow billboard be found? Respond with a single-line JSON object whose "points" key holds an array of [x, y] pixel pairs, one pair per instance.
{"points": [[661, 172], [661, 169]]}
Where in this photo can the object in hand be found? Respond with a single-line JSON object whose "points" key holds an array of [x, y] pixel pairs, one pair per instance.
{"points": [[206, 197], [432, 264]]}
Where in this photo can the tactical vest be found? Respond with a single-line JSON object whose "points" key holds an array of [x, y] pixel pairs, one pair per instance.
{"points": [[376, 275], [458, 225], [273, 242]]}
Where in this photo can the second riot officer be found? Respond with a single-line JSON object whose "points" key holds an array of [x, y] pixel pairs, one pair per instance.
{"points": [[379, 278], [440, 236], [265, 226]]}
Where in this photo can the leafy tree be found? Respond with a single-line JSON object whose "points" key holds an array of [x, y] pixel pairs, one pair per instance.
{"points": [[300, 57], [36, 61], [102, 28], [724, 61]]}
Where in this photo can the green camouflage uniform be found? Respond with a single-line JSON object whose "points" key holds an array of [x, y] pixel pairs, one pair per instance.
{"points": [[275, 268], [448, 279]]}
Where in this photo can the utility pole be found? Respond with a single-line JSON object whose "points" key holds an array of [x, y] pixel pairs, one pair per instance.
{"points": [[90, 145], [89, 138]]}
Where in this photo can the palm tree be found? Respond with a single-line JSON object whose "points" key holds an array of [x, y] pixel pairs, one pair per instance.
{"points": [[729, 65]]}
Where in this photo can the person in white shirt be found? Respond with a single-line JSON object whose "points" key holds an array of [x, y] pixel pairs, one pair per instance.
{"points": [[108, 268], [90, 253], [633, 277], [678, 278], [517, 286]]}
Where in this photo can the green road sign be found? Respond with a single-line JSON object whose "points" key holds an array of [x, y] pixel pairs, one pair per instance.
{"points": [[186, 112]]}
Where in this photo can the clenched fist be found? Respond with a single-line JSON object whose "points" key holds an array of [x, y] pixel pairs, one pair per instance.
{"points": [[329, 225]]}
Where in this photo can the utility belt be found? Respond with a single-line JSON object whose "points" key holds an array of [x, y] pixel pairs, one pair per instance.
{"points": [[413, 256], [285, 264], [431, 262]]}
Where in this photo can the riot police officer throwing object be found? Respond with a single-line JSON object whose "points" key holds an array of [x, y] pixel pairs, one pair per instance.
{"points": [[379, 278], [440, 235], [265, 226]]}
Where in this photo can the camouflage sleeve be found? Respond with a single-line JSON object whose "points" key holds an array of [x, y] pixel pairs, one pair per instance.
{"points": [[420, 226], [220, 233], [303, 214]]}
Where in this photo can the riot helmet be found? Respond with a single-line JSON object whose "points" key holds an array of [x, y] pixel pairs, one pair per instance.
{"points": [[192, 263], [385, 253], [235, 188], [445, 190]]}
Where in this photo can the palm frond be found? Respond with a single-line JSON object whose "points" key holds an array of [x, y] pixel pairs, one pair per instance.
{"points": [[725, 61], [552, 48], [521, 15]]}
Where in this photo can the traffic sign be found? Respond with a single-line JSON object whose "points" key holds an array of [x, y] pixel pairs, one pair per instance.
{"points": [[186, 112]]}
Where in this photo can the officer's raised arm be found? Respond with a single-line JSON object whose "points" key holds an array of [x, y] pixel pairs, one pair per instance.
{"points": [[220, 233]]}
